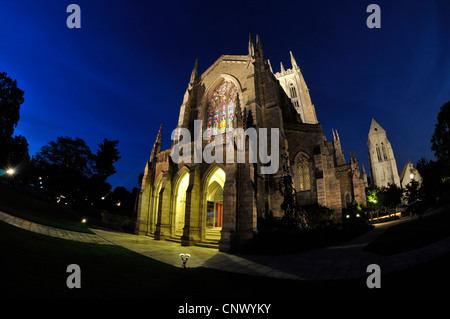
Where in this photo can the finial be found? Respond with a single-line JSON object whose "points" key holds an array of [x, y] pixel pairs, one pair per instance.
{"points": [[251, 45], [194, 73], [282, 68], [293, 62]]}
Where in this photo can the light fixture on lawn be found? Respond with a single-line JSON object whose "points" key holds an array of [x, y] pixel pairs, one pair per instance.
{"points": [[184, 258]]}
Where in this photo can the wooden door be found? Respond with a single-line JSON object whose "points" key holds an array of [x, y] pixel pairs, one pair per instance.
{"points": [[219, 214]]}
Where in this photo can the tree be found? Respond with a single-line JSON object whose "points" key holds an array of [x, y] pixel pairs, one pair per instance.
{"points": [[414, 196], [431, 180], [373, 195], [19, 151], [11, 97], [440, 141], [107, 155], [391, 197], [67, 166]]}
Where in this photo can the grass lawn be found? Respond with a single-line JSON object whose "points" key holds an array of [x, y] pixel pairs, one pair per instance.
{"points": [[33, 209], [34, 266], [413, 234]]}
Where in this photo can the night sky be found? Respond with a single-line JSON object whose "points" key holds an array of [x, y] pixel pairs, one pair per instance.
{"points": [[126, 70]]}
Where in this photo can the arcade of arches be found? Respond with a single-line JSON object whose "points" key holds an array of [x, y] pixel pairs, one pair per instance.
{"points": [[171, 221]]}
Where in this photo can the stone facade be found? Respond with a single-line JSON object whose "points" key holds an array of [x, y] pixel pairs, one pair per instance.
{"points": [[221, 202], [408, 174], [383, 167]]}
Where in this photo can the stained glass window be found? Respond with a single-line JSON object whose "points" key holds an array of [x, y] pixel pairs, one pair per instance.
{"points": [[304, 179], [220, 115]]}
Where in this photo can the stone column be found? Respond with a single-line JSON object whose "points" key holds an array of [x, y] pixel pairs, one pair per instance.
{"points": [[247, 213], [143, 213], [228, 236], [191, 230], [165, 197]]}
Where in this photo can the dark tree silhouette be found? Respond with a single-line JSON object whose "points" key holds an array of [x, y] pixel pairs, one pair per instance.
{"points": [[440, 141], [107, 156], [11, 97], [67, 166]]}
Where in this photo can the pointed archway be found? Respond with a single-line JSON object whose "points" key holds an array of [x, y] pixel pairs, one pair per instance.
{"points": [[213, 204], [179, 205]]}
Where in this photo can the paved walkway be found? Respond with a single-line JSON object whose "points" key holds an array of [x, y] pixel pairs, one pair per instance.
{"points": [[346, 260], [52, 231]]}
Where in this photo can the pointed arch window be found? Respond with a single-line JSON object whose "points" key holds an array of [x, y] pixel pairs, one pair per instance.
{"points": [[304, 176], [292, 90], [378, 153], [384, 151], [220, 114], [295, 99]]}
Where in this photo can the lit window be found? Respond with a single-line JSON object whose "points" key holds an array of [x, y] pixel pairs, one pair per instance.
{"points": [[220, 115], [304, 181]]}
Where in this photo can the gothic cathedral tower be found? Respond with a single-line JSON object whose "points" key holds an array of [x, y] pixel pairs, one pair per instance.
{"points": [[294, 85], [383, 168]]}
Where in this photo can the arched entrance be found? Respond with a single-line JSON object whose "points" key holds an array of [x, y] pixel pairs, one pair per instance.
{"points": [[180, 205], [214, 204]]}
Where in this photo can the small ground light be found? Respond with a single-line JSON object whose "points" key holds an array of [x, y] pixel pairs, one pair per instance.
{"points": [[184, 258], [83, 220], [10, 171]]}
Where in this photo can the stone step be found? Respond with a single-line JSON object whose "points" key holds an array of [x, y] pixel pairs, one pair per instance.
{"points": [[213, 234], [174, 239], [208, 244]]}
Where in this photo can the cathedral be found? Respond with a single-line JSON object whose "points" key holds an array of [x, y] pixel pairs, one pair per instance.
{"points": [[219, 204]]}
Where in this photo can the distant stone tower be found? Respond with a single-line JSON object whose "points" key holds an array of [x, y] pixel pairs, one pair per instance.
{"points": [[383, 168], [294, 85]]}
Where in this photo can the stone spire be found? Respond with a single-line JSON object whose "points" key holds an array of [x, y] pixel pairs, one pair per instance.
{"points": [[364, 175], [270, 66], [194, 73], [293, 62], [157, 146], [282, 68], [251, 46], [259, 48]]}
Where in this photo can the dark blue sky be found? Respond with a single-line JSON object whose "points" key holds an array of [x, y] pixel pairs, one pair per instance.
{"points": [[126, 70]]}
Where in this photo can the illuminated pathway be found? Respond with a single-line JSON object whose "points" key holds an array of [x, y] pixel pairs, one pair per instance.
{"points": [[346, 260], [51, 231]]}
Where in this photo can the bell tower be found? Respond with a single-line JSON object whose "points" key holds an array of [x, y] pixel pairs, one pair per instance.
{"points": [[293, 83], [383, 167]]}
